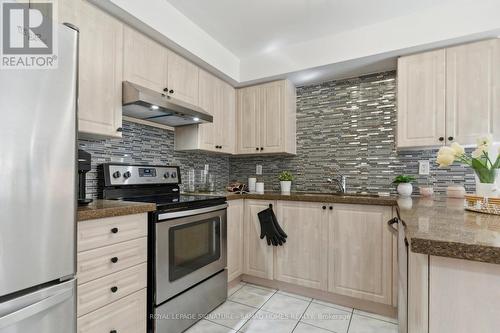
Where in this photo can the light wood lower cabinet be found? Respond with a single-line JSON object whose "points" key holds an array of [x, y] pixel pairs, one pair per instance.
{"points": [[344, 249], [95, 294], [128, 315], [112, 274], [235, 211], [360, 252], [257, 255], [303, 259]]}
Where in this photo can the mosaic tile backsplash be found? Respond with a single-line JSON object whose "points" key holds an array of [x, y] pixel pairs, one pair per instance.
{"points": [[348, 127], [343, 127], [149, 145]]}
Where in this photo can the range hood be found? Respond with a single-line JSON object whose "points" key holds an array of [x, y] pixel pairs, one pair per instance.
{"points": [[146, 104]]}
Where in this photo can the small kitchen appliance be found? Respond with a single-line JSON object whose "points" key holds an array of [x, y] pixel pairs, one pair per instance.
{"points": [[187, 244], [84, 160]]}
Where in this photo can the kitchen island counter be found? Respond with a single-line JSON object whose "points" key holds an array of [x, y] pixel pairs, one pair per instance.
{"points": [[441, 227]]}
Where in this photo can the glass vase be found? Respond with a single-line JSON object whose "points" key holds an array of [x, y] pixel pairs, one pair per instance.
{"points": [[487, 183]]}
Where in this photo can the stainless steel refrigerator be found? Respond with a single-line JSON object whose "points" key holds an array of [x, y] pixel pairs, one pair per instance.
{"points": [[38, 194]]}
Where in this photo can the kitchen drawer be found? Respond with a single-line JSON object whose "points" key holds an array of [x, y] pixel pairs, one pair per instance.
{"points": [[127, 315], [97, 263], [95, 294], [107, 231]]}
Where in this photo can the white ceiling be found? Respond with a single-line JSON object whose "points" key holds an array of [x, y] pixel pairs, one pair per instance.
{"points": [[253, 27], [251, 41]]}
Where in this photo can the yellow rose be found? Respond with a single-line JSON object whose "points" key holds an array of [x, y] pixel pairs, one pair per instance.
{"points": [[446, 151], [445, 159], [485, 142], [458, 150]]}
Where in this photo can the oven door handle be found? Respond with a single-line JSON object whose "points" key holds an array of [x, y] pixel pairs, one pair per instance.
{"points": [[184, 213]]}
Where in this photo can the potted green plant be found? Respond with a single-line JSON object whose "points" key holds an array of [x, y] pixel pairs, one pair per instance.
{"points": [[485, 166], [405, 188], [285, 178]]}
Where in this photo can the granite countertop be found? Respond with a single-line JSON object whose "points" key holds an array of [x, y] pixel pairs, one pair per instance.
{"points": [[108, 208], [318, 197], [441, 227]]}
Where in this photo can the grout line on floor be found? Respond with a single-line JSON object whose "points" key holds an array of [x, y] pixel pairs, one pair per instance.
{"points": [[274, 293], [302, 316], [350, 320]]}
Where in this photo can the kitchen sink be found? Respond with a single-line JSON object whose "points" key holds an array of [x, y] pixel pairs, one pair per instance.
{"points": [[339, 194]]}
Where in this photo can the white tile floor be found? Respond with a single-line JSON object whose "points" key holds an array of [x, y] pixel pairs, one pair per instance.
{"points": [[255, 309]]}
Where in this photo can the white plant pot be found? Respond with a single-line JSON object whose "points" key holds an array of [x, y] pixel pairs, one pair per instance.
{"points": [[405, 189], [285, 186], [487, 190]]}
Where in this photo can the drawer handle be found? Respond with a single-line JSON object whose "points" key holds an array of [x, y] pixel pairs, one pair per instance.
{"points": [[113, 331], [114, 289], [114, 230], [114, 260]]}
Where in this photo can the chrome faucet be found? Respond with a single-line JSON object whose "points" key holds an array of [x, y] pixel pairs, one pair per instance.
{"points": [[340, 182]]}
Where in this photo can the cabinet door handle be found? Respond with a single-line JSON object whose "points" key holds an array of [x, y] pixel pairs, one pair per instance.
{"points": [[261, 148], [331, 207], [114, 289], [114, 230], [441, 138], [113, 331], [119, 129], [114, 260], [165, 89], [324, 207], [257, 148], [450, 138], [171, 91]]}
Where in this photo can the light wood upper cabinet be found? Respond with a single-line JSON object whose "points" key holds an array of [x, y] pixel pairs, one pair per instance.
{"points": [[247, 121], [421, 99], [182, 80], [207, 100], [473, 91], [218, 99], [302, 260], [100, 69], [360, 253], [265, 119], [235, 239], [226, 124], [449, 95], [144, 61], [257, 255]]}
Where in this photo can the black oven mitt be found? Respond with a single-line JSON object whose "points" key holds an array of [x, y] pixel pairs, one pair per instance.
{"points": [[269, 229], [277, 225]]}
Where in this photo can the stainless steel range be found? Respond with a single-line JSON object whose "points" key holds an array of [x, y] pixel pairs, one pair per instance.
{"points": [[187, 244]]}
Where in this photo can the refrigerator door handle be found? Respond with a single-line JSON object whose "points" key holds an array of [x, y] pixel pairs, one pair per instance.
{"points": [[35, 308]]}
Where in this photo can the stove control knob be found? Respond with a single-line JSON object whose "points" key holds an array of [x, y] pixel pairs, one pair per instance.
{"points": [[166, 175], [174, 175], [126, 174], [116, 174]]}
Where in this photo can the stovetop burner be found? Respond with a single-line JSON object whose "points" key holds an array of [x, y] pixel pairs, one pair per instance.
{"points": [[169, 202]]}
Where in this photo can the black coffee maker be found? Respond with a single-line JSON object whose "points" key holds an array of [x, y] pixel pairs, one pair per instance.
{"points": [[83, 167]]}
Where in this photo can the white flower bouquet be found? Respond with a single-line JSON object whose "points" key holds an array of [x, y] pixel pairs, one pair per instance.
{"points": [[485, 167]]}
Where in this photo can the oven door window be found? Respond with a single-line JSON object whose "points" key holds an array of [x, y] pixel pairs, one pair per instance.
{"points": [[193, 246]]}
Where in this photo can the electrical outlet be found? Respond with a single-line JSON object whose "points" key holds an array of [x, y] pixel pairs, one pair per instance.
{"points": [[258, 169], [423, 168]]}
